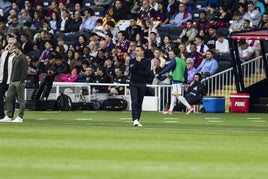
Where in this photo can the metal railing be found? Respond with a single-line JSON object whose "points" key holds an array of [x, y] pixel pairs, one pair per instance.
{"points": [[220, 84]]}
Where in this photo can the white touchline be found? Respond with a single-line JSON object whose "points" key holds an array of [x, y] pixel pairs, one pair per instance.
{"points": [[84, 119]]}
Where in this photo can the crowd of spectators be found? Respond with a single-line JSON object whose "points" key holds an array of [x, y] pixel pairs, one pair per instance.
{"points": [[91, 48]]}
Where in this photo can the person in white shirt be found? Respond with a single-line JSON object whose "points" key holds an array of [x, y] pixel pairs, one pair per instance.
{"points": [[238, 22], [245, 51], [222, 44]]}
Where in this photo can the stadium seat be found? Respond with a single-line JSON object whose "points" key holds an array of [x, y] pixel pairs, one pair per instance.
{"points": [[175, 32], [87, 3], [99, 11], [223, 65], [223, 30], [71, 37]]}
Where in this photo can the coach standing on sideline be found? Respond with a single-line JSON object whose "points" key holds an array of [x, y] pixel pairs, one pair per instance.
{"points": [[139, 68], [5, 72], [17, 84]]}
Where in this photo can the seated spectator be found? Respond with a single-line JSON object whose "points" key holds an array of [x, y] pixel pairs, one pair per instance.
{"points": [[132, 30], [259, 4], [222, 45], [188, 31], [211, 38], [87, 77], [202, 24], [253, 15], [194, 93], [264, 22], [70, 77], [212, 12], [237, 23], [64, 22], [245, 51], [118, 11], [196, 56], [208, 65], [147, 12], [191, 70], [75, 23], [161, 13], [101, 77], [200, 46], [223, 18], [26, 45], [135, 10], [246, 25], [181, 17], [155, 69], [80, 43], [88, 21], [118, 79]]}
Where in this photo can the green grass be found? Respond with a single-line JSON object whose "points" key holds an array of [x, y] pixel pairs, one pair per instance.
{"points": [[105, 145]]}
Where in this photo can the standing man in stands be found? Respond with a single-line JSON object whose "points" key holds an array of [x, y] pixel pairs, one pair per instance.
{"points": [[5, 72], [139, 68], [17, 85]]}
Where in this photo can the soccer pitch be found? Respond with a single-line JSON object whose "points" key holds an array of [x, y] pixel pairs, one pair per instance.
{"points": [[101, 144]]}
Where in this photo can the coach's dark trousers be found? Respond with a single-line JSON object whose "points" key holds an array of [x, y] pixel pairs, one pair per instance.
{"points": [[137, 92]]}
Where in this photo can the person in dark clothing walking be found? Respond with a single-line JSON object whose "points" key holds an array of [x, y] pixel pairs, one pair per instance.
{"points": [[139, 68], [17, 85], [5, 72]]}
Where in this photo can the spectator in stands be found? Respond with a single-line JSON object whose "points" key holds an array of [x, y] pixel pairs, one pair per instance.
{"points": [[155, 69], [45, 26], [208, 65], [44, 61], [118, 11], [5, 6], [3, 27], [26, 45], [61, 43], [119, 79], [223, 18], [200, 46], [114, 30], [29, 8], [260, 5], [253, 15], [202, 24], [27, 30], [69, 58], [147, 12], [88, 21], [158, 55], [101, 77], [141, 40], [191, 70], [64, 22], [132, 49], [70, 77], [182, 50], [179, 76], [81, 43], [109, 68], [12, 12], [188, 31], [211, 38], [172, 8], [132, 30], [245, 51], [109, 42], [221, 46], [75, 23], [87, 77], [153, 28], [52, 8], [14, 25], [161, 14], [152, 40], [167, 45], [93, 49], [54, 21], [181, 17], [246, 25], [135, 10], [208, 2], [122, 42], [212, 12], [264, 21], [3, 41], [39, 9], [77, 7], [24, 17], [194, 93], [237, 23]]}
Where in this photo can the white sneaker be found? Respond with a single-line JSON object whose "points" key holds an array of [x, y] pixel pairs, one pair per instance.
{"points": [[137, 123], [6, 119], [18, 119]]}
